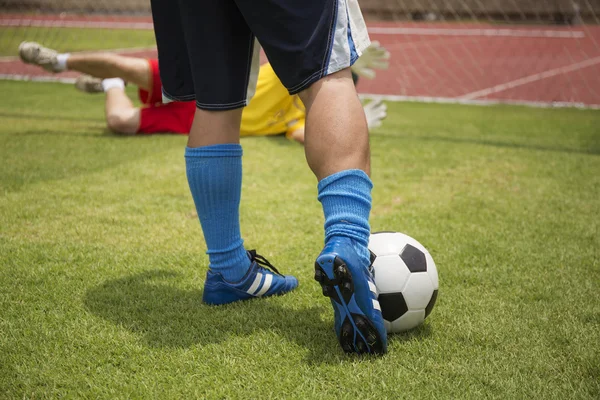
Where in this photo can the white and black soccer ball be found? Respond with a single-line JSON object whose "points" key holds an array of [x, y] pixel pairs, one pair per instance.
{"points": [[406, 280]]}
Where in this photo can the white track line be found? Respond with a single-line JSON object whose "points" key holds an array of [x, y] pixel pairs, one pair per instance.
{"points": [[489, 32], [454, 100], [17, 77], [530, 79], [76, 24], [518, 33], [394, 98]]}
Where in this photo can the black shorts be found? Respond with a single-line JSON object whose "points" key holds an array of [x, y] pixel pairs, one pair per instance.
{"points": [[207, 49]]}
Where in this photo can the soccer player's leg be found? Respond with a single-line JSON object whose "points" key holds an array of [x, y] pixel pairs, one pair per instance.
{"points": [[100, 65], [311, 49], [133, 70], [36, 54], [213, 156]]}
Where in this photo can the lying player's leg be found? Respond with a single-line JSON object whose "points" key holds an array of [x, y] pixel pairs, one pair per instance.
{"points": [[107, 65], [100, 65], [213, 155]]}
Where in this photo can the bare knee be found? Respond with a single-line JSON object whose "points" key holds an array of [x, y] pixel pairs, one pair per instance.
{"points": [[328, 84], [122, 122]]}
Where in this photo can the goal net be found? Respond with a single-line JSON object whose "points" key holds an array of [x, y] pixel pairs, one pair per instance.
{"points": [[538, 52]]}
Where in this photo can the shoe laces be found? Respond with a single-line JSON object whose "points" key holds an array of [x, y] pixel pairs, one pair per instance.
{"points": [[263, 262]]}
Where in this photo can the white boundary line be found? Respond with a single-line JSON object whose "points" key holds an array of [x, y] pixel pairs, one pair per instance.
{"points": [[18, 77], [488, 32], [454, 100], [57, 23], [530, 79], [394, 98]]}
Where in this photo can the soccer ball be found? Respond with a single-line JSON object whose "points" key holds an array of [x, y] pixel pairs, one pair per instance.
{"points": [[406, 280]]}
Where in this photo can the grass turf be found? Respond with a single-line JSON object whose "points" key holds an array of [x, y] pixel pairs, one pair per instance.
{"points": [[74, 39], [102, 259]]}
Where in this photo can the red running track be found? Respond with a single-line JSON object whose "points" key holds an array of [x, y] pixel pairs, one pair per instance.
{"points": [[454, 62]]}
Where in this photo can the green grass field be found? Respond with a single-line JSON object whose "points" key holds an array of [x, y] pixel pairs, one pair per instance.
{"points": [[102, 259]]}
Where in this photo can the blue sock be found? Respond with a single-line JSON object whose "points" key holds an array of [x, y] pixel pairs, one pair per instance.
{"points": [[215, 177], [346, 200]]}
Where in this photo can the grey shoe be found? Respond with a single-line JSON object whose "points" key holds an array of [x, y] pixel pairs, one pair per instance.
{"points": [[89, 84], [35, 53]]}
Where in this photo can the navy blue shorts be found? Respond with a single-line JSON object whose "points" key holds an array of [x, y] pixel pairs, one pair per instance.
{"points": [[208, 49]]}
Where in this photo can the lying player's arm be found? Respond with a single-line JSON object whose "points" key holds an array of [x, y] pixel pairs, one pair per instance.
{"points": [[297, 135]]}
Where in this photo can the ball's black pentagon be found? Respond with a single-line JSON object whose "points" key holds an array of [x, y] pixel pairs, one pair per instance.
{"points": [[431, 303], [414, 259], [393, 306]]}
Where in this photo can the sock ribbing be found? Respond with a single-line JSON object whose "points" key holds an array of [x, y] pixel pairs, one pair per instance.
{"points": [[346, 200], [215, 178]]}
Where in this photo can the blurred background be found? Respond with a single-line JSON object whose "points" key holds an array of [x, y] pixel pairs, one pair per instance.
{"points": [[537, 52]]}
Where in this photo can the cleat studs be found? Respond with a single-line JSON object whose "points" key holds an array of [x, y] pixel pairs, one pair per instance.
{"points": [[348, 286], [362, 347], [318, 276], [341, 270], [325, 291], [346, 330]]}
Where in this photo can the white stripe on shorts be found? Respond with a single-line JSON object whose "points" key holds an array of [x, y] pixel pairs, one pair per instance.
{"points": [[253, 75], [350, 36]]}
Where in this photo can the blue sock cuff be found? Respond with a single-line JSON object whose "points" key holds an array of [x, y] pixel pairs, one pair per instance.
{"points": [[217, 150], [357, 178], [346, 200]]}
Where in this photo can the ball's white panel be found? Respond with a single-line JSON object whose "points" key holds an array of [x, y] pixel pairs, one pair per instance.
{"points": [[418, 291], [432, 271], [410, 320], [385, 243], [388, 326], [390, 274]]}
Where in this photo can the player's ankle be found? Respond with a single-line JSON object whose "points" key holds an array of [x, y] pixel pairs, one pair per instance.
{"points": [[111, 83], [61, 62], [233, 266], [361, 250]]}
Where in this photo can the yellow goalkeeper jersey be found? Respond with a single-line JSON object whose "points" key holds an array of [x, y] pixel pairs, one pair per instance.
{"points": [[272, 110]]}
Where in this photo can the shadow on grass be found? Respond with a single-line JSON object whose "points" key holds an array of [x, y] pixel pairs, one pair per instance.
{"points": [[167, 316], [593, 149]]}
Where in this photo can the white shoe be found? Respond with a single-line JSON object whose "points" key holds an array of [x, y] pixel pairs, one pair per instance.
{"points": [[89, 84], [35, 53]]}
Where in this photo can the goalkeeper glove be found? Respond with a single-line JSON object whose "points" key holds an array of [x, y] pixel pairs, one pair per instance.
{"points": [[374, 57], [375, 112]]}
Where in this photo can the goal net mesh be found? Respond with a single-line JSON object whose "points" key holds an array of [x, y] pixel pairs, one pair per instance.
{"points": [[543, 52]]}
